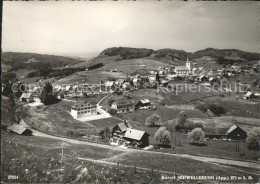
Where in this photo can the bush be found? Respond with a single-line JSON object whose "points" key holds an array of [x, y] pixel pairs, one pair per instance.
{"points": [[252, 140], [162, 135], [196, 136], [217, 109]]}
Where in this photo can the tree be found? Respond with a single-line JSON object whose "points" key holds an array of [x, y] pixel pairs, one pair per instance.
{"points": [[181, 118], [46, 95], [152, 120], [170, 125], [163, 135], [196, 136], [252, 140], [158, 77]]}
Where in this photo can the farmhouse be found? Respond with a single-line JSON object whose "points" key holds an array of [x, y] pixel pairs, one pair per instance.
{"points": [[123, 106], [136, 137], [19, 129], [143, 103], [27, 97], [83, 109], [119, 130], [234, 132]]}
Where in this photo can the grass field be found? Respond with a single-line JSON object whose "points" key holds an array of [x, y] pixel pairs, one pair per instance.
{"points": [[40, 160]]}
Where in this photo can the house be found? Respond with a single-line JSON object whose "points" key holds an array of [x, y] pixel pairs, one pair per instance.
{"points": [[142, 66], [123, 106], [136, 137], [126, 85], [110, 86], [152, 79], [119, 130], [83, 108], [249, 95], [213, 80], [236, 68], [203, 78], [19, 129], [234, 132], [195, 71], [143, 103], [27, 97]]}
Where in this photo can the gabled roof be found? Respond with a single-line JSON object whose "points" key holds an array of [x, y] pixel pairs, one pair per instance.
{"points": [[248, 94], [134, 134], [123, 126], [26, 95], [181, 68], [110, 83], [124, 103], [16, 128], [82, 103], [215, 131], [145, 101], [211, 78]]}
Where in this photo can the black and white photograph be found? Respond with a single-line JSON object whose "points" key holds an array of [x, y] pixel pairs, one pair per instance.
{"points": [[130, 92]]}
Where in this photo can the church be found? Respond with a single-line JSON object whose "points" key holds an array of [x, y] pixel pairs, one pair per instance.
{"points": [[183, 70]]}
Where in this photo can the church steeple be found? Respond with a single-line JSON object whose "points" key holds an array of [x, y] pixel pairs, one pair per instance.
{"points": [[188, 64]]}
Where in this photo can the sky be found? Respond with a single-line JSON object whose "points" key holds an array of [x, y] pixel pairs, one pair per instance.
{"points": [[79, 27]]}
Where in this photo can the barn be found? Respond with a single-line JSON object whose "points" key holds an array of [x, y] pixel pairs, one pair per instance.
{"points": [[143, 103], [234, 133], [19, 129]]}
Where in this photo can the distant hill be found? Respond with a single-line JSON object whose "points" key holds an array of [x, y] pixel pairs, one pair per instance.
{"points": [[173, 54], [19, 60], [231, 54], [127, 52]]}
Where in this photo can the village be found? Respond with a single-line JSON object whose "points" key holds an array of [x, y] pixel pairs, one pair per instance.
{"points": [[129, 92], [85, 110]]}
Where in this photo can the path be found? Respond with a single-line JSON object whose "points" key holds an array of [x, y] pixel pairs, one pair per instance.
{"points": [[247, 164]]}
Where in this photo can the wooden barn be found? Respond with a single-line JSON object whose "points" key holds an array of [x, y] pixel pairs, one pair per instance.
{"points": [[19, 129], [234, 133], [143, 103]]}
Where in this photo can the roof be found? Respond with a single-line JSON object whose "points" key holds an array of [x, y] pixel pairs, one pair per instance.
{"points": [[248, 94], [215, 131], [82, 103], [124, 103], [16, 128], [181, 68], [257, 94], [231, 129], [121, 81], [26, 95], [124, 125], [211, 78], [145, 101], [109, 83], [134, 134]]}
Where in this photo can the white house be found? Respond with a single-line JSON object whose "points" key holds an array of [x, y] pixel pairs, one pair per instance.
{"points": [[123, 106], [83, 109], [28, 97]]}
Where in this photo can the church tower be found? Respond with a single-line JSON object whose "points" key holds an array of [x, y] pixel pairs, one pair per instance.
{"points": [[188, 64]]}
